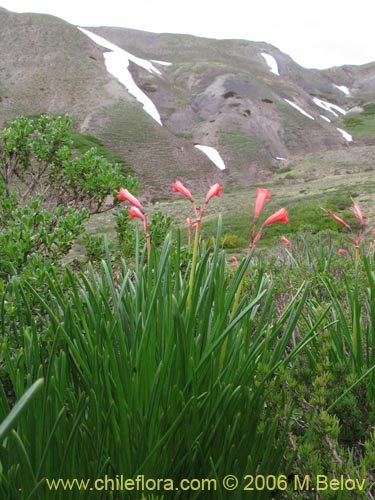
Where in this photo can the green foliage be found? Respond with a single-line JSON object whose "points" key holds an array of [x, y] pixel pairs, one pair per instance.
{"points": [[37, 157], [230, 240], [31, 147], [362, 124], [266, 368], [31, 236], [305, 215], [95, 247], [19, 407], [227, 241], [91, 178], [122, 389], [159, 226]]}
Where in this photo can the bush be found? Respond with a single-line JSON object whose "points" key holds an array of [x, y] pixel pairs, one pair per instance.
{"points": [[230, 240], [37, 157], [159, 227], [30, 234]]}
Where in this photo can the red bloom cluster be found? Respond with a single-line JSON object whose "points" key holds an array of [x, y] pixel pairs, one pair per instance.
{"points": [[136, 211], [355, 239], [215, 190], [178, 187], [261, 195], [124, 195]]}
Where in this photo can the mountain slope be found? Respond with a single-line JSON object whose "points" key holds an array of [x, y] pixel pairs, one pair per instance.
{"points": [[248, 100]]}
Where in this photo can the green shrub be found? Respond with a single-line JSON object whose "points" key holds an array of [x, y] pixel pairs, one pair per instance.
{"points": [[37, 157], [230, 240], [159, 226], [31, 235]]}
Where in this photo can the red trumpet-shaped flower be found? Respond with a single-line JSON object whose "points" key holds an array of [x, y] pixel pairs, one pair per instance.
{"points": [[279, 216], [124, 195], [343, 251], [337, 219], [135, 213], [355, 238], [261, 196], [234, 261], [214, 190], [357, 212], [285, 241], [178, 187]]}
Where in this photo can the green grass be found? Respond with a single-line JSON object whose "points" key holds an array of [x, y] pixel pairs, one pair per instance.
{"points": [[267, 367], [362, 124], [305, 215], [122, 389], [185, 135], [246, 144], [284, 170]]}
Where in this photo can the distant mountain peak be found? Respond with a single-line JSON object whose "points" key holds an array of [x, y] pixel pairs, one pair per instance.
{"points": [[248, 101]]}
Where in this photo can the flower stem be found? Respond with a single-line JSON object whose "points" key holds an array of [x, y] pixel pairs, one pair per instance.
{"points": [[148, 239], [193, 264]]}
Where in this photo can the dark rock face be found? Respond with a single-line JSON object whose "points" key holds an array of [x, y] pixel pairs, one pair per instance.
{"points": [[218, 93]]}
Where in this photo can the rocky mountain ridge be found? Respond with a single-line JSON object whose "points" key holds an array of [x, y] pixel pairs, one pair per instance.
{"points": [[252, 103]]}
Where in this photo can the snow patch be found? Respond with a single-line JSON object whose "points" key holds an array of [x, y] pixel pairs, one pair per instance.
{"points": [[345, 135], [327, 106], [162, 63], [271, 63], [213, 155], [325, 118], [117, 63], [343, 89], [299, 109]]}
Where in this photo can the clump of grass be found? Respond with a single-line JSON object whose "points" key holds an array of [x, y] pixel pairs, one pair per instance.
{"points": [[121, 388]]}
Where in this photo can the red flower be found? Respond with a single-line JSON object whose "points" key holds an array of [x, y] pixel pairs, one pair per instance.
{"points": [[261, 196], [135, 213], [124, 195], [285, 241], [178, 187], [337, 219], [342, 251], [234, 261], [357, 211], [214, 190], [279, 216]]}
